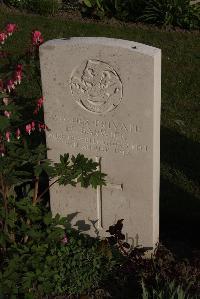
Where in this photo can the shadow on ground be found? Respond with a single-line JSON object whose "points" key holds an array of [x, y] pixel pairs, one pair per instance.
{"points": [[180, 209]]}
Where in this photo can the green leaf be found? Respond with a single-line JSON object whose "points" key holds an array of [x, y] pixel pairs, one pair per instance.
{"points": [[37, 170], [48, 218], [4, 122], [3, 95], [88, 3]]}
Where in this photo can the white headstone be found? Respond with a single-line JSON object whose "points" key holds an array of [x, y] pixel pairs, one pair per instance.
{"points": [[102, 99]]}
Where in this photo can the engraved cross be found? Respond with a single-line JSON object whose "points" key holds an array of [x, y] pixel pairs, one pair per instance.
{"points": [[99, 196]]}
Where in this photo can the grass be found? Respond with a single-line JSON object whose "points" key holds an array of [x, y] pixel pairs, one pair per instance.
{"points": [[180, 134]]}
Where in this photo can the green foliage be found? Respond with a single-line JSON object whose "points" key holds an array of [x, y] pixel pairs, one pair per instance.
{"points": [[172, 13], [168, 290], [93, 8], [45, 264], [120, 9], [40, 255], [19, 167], [168, 277], [162, 276], [192, 19], [80, 170], [159, 12], [126, 10], [17, 3], [44, 7]]}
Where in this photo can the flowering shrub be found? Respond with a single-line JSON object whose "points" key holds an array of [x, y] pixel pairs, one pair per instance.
{"points": [[12, 124], [38, 252]]}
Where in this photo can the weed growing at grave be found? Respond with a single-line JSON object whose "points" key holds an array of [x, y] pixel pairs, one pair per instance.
{"points": [[40, 255], [162, 276]]}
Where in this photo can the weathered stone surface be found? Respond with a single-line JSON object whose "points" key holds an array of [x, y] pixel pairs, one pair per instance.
{"points": [[102, 99]]}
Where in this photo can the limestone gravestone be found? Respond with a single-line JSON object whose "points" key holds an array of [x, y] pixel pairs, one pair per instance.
{"points": [[102, 99]]}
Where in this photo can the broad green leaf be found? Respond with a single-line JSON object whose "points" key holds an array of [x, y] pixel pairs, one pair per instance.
{"points": [[88, 3]]}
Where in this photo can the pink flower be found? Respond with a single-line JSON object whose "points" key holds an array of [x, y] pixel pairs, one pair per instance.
{"points": [[8, 136], [10, 28], [10, 85], [28, 128], [42, 127], [35, 112], [65, 239], [2, 150], [40, 102], [37, 38], [18, 133], [33, 126], [39, 105], [3, 37], [7, 114], [6, 101], [18, 74]]}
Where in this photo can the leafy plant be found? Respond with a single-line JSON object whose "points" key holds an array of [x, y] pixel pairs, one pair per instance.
{"points": [[172, 13], [162, 276], [17, 3], [121, 9], [54, 260], [126, 10], [44, 7], [93, 8], [40, 255], [168, 290], [191, 20]]}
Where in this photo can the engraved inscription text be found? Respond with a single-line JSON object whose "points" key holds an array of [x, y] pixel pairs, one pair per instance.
{"points": [[99, 136]]}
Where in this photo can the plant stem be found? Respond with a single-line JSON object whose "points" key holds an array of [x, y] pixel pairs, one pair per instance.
{"points": [[47, 189], [36, 188], [4, 194]]}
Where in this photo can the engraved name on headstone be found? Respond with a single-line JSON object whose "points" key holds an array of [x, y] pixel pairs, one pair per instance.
{"points": [[102, 99]]}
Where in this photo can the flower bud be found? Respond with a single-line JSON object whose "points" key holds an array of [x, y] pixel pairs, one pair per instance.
{"points": [[37, 38], [7, 114], [10, 28], [18, 133], [3, 37], [28, 128], [8, 136], [6, 101]]}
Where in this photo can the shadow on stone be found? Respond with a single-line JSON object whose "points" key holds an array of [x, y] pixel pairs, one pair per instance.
{"points": [[82, 226], [71, 216]]}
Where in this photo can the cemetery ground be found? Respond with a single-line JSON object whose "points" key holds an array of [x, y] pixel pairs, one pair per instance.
{"points": [[180, 122]]}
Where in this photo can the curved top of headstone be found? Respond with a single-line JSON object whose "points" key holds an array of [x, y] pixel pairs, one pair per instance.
{"points": [[103, 41]]}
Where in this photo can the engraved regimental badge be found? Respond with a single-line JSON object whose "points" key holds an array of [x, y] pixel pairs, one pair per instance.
{"points": [[96, 86]]}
